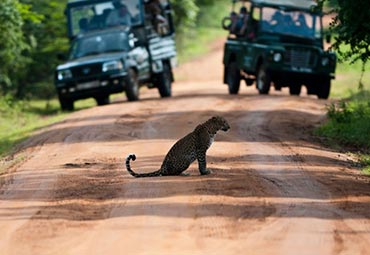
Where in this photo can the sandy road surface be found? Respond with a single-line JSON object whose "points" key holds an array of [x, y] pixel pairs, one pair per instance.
{"points": [[273, 189]]}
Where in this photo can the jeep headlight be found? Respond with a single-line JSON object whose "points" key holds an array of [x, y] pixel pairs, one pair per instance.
{"points": [[277, 57], [112, 65], [324, 61], [64, 74]]}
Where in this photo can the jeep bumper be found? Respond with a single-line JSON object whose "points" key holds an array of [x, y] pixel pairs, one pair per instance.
{"points": [[306, 76], [80, 88]]}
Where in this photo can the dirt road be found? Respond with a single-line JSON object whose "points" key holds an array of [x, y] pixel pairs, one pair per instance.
{"points": [[274, 190]]}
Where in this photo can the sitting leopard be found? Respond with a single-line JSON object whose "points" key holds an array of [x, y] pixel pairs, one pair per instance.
{"points": [[185, 151]]}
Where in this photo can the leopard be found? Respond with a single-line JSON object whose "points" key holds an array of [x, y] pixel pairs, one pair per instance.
{"points": [[185, 151]]}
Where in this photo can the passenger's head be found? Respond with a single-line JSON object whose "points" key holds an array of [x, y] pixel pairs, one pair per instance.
{"points": [[243, 10], [301, 18], [278, 16]]}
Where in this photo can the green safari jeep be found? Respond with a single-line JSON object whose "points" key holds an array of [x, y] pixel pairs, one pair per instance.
{"points": [[277, 42]]}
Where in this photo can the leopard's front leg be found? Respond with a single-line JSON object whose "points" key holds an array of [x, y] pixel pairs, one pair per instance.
{"points": [[202, 162]]}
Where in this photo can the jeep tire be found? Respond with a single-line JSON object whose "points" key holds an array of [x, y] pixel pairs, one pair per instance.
{"points": [[66, 104], [164, 81], [295, 89], [132, 86], [323, 89], [102, 100], [233, 78], [263, 80]]}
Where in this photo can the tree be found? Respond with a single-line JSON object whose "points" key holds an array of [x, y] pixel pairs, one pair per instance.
{"points": [[50, 38], [12, 43], [186, 12], [351, 27], [15, 46]]}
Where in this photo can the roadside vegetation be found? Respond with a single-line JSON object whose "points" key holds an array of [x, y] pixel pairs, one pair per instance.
{"points": [[348, 125], [19, 118], [206, 29]]}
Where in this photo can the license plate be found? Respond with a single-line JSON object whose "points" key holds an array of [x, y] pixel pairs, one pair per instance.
{"points": [[88, 85], [302, 69]]}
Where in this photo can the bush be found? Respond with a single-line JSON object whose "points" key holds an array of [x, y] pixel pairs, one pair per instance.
{"points": [[349, 122]]}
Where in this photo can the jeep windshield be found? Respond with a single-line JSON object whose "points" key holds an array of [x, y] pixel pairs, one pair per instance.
{"points": [[98, 44], [291, 23], [86, 16]]}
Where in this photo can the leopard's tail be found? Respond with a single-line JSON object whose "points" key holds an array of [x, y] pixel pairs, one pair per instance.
{"points": [[128, 167]]}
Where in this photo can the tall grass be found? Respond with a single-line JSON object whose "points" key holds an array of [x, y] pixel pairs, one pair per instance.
{"points": [[349, 121]]}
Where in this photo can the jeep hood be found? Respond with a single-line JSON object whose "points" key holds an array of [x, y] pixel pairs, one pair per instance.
{"points": [[93, 59]]}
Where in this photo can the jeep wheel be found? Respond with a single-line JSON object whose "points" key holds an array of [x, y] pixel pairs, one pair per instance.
{"points": [[323, 89], [132, 86], [102, 100], [295, 89], [164, 81], [66, 104], [263, 80], [233, 78]]}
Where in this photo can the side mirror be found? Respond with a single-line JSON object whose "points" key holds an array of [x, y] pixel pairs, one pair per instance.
{"points": [[62, 56], [226, 23]]}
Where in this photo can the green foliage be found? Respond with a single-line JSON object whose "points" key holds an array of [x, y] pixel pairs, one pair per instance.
{"points": [[12, 43], [185, 14], [352, 28], [32, 34], [195, 39], [365, 163], [49, 40], [20, 118], [349, 122]]}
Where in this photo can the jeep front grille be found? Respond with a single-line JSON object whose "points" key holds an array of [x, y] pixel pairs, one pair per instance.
{"points": [[86, 71], [297, 57]]}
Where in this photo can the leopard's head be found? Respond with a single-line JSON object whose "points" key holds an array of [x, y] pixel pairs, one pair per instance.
{"points": [[220, 123]]}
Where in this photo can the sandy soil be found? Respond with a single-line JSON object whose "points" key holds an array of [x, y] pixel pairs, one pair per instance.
{"points": [[274, 189]]}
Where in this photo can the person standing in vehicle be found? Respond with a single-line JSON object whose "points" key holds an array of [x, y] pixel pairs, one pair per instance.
{"points": [[242, 22], [159, 21]]}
